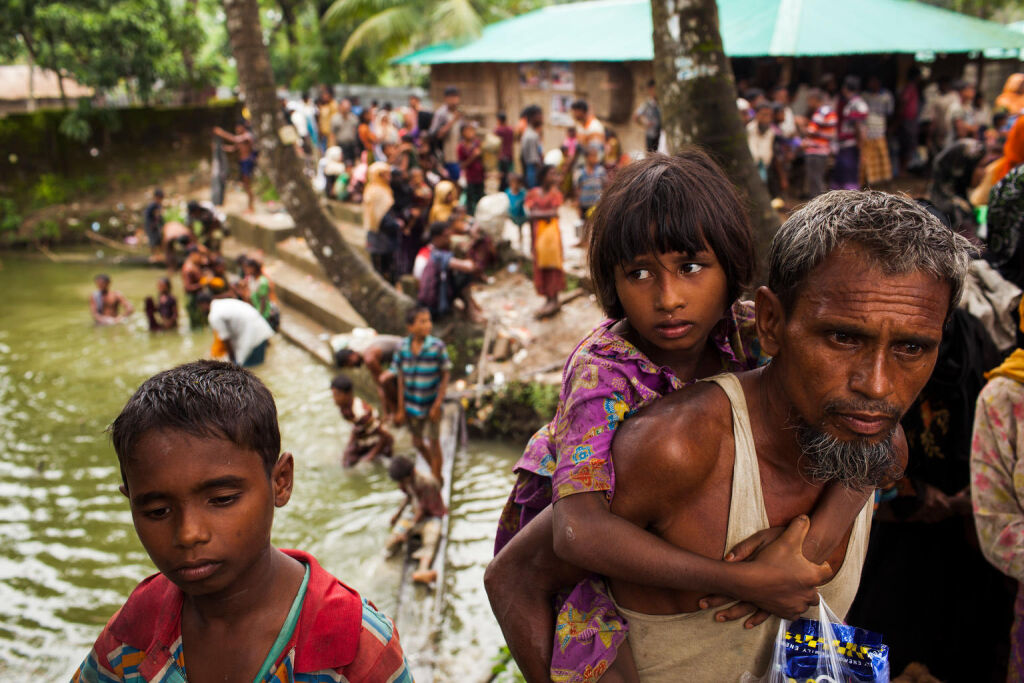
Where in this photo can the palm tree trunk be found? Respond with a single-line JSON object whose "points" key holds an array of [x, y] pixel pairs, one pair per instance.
{"points": [[380, 304], [697, 95]]}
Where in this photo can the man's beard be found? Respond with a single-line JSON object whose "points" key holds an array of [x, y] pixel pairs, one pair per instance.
{"points": [[857, 464]]}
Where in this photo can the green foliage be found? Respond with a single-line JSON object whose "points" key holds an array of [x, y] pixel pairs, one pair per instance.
{"points": [[518, 409], [505, 669], [47, 229], [10, 217], [391, 27], [107, 43], [49, 189]]}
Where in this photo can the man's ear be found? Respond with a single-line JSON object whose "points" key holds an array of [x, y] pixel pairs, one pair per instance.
{"points": [[124, 490], [771, 318], [282, 478]]}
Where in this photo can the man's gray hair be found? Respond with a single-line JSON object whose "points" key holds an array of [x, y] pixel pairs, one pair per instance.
{"points": [[899, 235]]}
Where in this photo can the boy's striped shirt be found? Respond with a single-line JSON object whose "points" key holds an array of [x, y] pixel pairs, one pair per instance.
{"points": [[421, 373]]}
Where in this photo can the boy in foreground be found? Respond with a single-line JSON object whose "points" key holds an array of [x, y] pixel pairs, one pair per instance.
{"points": [[199, 450], [370, 438], [424, 492], [422, 366]]}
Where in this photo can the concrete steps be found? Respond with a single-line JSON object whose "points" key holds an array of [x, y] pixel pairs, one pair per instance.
{"points": [[307, 334], [314, 298]]}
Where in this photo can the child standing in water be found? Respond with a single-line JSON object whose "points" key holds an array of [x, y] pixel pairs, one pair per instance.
{"points": [[542, 204], [162, 312], [670, 253]]}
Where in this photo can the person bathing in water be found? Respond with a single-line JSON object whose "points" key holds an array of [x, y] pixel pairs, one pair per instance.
{"points": [[108, 306]]}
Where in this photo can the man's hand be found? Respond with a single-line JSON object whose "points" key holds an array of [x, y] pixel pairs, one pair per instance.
{"points": [[779, 581], [399, 418], [435, 413]]}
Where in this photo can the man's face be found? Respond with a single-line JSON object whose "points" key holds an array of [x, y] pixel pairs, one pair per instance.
{"points": [[345, 106], [203, 508], [414, 102], [452, 101], [857, 347], [579, 115], [781, 96], [967, 94], [102, 284], [764, 118]]}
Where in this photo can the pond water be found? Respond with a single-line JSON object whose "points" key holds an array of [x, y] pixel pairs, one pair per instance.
{"points": [[68, 553]]}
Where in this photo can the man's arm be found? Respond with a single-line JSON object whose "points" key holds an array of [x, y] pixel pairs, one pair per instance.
{"points": [[128, 308], [405, 504], [97, 315], [521, 582], [223, 134]]}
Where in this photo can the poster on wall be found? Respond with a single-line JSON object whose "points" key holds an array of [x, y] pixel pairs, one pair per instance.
{"points": [[530, 75], [560, 114], [561, 76]]}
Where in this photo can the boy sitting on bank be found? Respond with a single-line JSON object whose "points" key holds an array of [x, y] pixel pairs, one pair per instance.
{"points": [[370, 438], [424, 492], [199, 450], [422, 366]]}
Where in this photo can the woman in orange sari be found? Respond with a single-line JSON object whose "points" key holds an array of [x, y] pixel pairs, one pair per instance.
{"points": [[542, 204]]}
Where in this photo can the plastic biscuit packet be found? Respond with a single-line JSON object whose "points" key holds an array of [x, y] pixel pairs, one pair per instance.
{"points": [[825, 651]]}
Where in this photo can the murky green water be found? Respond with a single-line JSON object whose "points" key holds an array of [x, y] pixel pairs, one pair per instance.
{"points": [[68, 553]]}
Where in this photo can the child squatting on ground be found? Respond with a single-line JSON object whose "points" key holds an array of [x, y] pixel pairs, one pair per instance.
{"points": [[370, 438], [424, 492], [671, 250], [422, 367], [202, 468]]}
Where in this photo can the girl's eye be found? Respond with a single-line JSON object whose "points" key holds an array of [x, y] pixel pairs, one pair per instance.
{"points": [[639, 274], [690, 268]]}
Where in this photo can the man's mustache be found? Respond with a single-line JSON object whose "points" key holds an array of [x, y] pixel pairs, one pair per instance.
{"points": [[838, 407]]}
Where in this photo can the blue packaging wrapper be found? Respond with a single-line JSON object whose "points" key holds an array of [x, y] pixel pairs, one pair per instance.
{"points": [[862, 654]]}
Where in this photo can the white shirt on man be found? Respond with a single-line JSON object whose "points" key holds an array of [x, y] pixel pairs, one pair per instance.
{"points": [[239, 324]]}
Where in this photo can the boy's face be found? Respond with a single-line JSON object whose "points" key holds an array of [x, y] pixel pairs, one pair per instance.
{"points": [[203, 509], [342, 399], [422, 325]]}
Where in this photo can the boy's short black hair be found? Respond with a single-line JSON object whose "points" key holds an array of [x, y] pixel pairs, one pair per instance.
{"points": [[342, 357], [666, 203], [400, 467], [414, 312], [205, 399], [501, 117], [342, 383], [437, 228], [158, 193], [451, 91], [102, 276], [204, 297], [580, 105], [650, 83]]}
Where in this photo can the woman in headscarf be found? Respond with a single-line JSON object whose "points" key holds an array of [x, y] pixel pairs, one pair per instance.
{"points": [[379, 221], [1011, 99], [446, 198], [997, 484], [1013, 150], [1005, 224]]}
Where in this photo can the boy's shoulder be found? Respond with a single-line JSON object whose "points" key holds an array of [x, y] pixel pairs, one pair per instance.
{"points": [[338, 630]]}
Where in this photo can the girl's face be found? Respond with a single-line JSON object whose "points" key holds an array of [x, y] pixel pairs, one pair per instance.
{"points": [[673, 300], [553, 177]]}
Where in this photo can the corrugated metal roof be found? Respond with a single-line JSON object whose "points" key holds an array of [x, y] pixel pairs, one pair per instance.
{"points": [[620, 30]]}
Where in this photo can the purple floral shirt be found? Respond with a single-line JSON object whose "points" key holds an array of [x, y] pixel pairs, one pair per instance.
{"points": [[605, 380]]}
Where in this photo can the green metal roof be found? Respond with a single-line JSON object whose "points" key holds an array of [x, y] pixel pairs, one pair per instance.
{"points": [[620, 30]]}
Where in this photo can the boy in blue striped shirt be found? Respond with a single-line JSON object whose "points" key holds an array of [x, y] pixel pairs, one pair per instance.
{"points": [[422, 367]]}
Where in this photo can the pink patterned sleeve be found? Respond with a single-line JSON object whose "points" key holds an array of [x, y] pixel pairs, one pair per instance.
{"points": [[997, 475], [599, 396]]}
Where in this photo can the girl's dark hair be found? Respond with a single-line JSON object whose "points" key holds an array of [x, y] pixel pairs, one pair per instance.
{"points": [[205, 399], [542, 174], [668, 203]]}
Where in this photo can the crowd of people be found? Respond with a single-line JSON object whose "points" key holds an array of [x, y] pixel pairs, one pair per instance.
{"points": [[237, 300], [872, 389], [412, 169]]}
